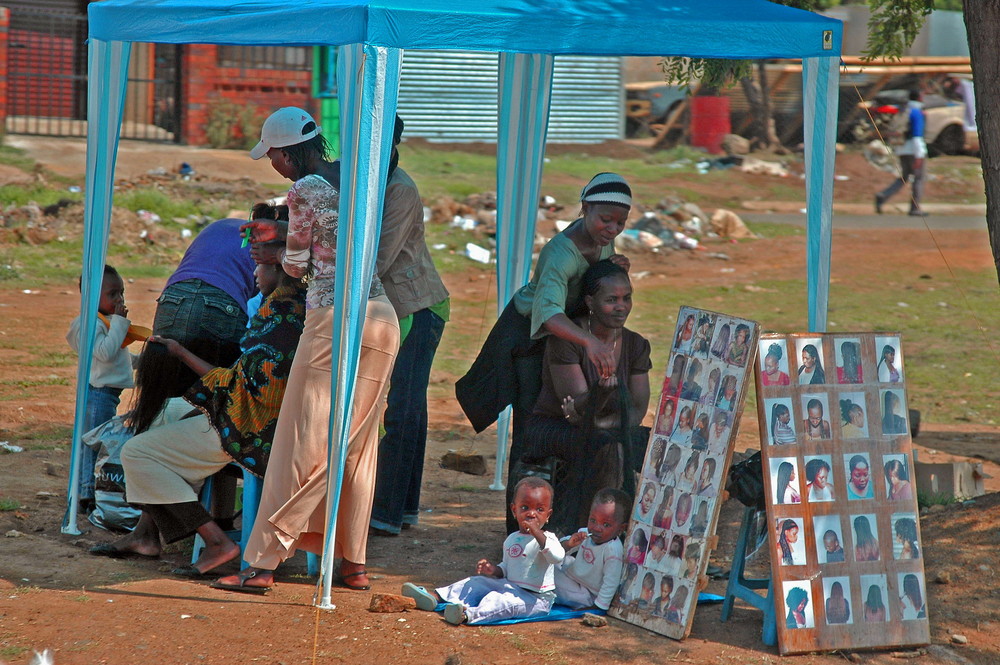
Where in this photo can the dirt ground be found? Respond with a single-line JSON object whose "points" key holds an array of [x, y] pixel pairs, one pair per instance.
{"points": [[94, 610]]}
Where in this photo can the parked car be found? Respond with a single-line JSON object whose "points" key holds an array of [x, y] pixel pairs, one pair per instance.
{"points": [[947, 131], [649, 103]]}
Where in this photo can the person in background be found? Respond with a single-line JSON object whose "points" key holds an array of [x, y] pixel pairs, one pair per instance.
{"points": [[422, 305], [912, 158], [110, 369]]}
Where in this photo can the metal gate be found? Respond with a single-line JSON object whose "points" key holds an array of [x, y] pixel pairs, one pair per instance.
{"points": [[47, 80]]}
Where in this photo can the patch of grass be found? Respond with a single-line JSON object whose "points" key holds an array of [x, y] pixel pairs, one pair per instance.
{"points": [[34, 383], [928, 499], [7, 505], [167, 207], [82, 598], [12, 651], [53, 359], [17, 158], [546, 650], [42, 195], [467, 488], [770, 230]]}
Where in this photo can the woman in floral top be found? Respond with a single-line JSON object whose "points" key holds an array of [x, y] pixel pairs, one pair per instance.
{"points": [[292, 512]]}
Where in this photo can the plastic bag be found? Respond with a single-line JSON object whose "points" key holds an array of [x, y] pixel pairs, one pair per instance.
{"points": [[111, 511]]}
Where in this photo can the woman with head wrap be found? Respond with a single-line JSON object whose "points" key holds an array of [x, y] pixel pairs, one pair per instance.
{"points": [[508, 369]]}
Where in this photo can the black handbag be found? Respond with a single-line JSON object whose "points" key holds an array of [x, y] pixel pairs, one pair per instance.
{"points": [[745, 482]]}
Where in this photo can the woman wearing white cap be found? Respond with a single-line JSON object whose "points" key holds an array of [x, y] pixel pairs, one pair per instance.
{"points": [[508, 369], [291, 514]]}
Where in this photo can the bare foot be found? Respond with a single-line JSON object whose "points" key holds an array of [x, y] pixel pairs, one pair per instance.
{"points": [[214, 556]]}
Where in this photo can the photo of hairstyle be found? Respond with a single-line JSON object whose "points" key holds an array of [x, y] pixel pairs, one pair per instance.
{"points": [[781, 430], [853, 423], [912, 598], [873, 589], [721, 344], [810, 372], [849, 362], [906, 545], [865, 539], [893, 413], [889, 365]]}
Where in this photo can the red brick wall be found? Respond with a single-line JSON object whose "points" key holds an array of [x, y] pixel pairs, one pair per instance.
{"points": [[4, 26], [204, 82]]}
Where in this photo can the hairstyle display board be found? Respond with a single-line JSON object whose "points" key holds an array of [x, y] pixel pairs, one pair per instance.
{"points": [[841, 503], [672, 524]]}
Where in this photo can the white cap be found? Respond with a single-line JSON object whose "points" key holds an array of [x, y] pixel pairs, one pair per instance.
{"points": [[284, 127]]}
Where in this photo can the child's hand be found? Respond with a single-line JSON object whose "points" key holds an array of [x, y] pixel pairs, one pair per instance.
{"points": [[569, 409], [484, 567], [172, 345], [576, 539], [121, 310], [261, 230]]}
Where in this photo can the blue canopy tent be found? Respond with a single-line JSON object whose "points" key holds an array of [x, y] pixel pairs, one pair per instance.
{"points": [[372, 35]]}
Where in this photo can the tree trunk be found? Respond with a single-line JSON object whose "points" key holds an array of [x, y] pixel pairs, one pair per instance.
{"points": [[758, 96], [982, 22]]}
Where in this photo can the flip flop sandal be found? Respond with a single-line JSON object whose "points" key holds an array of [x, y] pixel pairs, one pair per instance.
{"points": [[190, 572], [342, 581], [425, 599], [242, 586], [110, 551]]}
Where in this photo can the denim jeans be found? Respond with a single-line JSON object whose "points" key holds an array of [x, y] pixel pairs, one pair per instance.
{"points": [[194, 309], [102, 406], [401, 450]]}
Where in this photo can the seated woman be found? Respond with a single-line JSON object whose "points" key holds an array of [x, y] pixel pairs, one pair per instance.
{"points": [[238, 411], [589, 421], [508, 369]]}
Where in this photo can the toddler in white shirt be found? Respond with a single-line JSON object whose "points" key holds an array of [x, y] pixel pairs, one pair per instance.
{"points": [[589, 574], [523, 584]]}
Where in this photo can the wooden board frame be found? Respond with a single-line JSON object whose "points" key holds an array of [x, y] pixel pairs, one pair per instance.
{"points": [[846, 544], [681, 489]]}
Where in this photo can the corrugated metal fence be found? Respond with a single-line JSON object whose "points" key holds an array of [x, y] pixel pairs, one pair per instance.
{"points": [[451, 96]]}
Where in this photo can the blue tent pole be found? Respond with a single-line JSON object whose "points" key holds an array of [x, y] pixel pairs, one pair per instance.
{"points": [[524, 91], [368, 83], [820, 78], [108, 74]]}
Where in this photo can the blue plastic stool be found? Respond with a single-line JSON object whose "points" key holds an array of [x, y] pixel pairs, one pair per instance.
{"points": [[743, 588], [252, 486]]}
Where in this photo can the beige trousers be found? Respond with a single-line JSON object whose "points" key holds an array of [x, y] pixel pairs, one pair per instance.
{"points": [[168, 464], [292, 512]]}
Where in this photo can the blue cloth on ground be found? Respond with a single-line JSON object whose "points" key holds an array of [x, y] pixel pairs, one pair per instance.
{"points": [[561, 612]]}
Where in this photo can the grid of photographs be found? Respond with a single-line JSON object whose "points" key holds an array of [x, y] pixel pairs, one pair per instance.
{"points": [[684, 470], [836, 454]]}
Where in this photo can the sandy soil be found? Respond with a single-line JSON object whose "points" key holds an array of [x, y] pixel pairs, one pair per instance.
{"points": [[94, 610]]}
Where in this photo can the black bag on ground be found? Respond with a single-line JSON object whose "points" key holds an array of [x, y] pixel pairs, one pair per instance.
{"points": [[745, 482]]}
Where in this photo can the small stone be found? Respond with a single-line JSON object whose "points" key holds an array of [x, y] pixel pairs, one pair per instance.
{"points": [[943, 578], [594, 621], [854, 657], [936, 508], [54, 469], [983, 568], [470, 463], [959, 639], [44, 495], [387, 602], [453, 659], [13, 533]]}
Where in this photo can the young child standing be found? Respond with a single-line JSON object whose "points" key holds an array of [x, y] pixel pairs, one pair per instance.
{"points": [[523, 584], [110, 370], [590, 578]]}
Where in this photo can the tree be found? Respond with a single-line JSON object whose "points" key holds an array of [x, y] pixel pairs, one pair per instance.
{"points": [[982, 19], [893, 26]]}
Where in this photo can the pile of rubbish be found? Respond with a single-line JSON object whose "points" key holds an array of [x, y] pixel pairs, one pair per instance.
{"points": [[672, 224]]}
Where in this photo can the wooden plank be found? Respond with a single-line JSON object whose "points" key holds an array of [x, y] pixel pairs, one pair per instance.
{"points": [[674, 116], [843, 528]]}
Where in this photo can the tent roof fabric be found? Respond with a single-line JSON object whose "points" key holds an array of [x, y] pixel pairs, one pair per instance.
{"points": [[748, 29]]}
